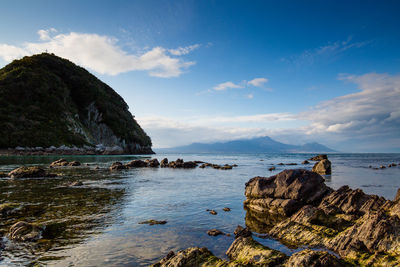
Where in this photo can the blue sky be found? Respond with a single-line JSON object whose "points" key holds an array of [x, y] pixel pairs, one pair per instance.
{"points": [[202, 71]]}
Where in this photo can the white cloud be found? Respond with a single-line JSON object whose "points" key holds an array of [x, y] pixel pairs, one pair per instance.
{"points": [[100, 53], [258, 82], [328, 51], [226, 85], [183, 50], [250, 96], [367, 120]]}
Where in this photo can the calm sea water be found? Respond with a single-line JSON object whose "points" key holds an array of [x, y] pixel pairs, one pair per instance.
{"points": [[100, 219]]}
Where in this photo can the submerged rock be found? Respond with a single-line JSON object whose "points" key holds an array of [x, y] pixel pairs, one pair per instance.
{"points": [[215, 232], [29, 172], [226, 209], [153, 222], [305, 162], [323, 167], [23, 231], [213, 212]]}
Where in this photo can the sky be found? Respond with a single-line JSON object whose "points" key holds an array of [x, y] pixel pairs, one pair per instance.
{"points": [[207, 71]]}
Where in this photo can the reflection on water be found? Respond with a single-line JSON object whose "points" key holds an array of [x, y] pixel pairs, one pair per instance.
{"points": [[97, 223]]}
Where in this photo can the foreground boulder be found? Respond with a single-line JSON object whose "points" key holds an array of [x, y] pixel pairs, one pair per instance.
{"points": [[190, 257], [312, 258], [23, 231], [285, 192], [29, 172], [361, 228], [323, 167]]}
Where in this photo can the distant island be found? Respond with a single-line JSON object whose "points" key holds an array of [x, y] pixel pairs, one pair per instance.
{"points": [[255, 145], [49, 104]]}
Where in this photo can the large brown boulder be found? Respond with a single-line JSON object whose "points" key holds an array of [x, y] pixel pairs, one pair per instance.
{"points": [[28, 172], [299, 185], [164, 163], [152, 163], [323, 167]]}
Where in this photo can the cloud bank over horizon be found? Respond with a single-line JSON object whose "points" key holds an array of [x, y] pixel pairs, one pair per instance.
{"points": [[102, 54], [364, 118]]}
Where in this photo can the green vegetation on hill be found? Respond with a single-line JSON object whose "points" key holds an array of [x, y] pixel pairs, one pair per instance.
{"points": [[46, 100]]}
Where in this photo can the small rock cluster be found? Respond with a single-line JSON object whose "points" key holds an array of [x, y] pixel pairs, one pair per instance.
{"points": [[64, 162], [177, 164]]}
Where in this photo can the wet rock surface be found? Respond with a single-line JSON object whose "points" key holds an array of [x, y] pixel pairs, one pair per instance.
{"points": [[153, 222], [323, 167], [319, 157], [312, 258], [285, 192], [215, 232], [23, 231], [361, 228], [29, 172]]}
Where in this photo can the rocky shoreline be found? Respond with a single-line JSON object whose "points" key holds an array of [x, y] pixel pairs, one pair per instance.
{"points": [[73, 150], [343, 227]]}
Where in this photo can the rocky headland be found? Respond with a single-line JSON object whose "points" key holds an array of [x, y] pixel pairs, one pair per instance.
{"points": [[49, 105]]}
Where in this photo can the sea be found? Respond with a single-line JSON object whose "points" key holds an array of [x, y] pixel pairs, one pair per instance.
{"points": [[98, 223]]}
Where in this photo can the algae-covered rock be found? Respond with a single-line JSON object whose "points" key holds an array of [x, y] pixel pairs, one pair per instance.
{"points": [[23, 231], [137, 163], [196, 257], [323, 167], [59, 163], [312, 258], [246, 251], [28, 172]]}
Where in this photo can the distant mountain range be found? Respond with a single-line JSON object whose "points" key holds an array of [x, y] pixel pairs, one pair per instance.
{"points": [[254, 145]]}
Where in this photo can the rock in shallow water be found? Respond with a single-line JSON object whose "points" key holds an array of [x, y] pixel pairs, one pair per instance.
{"points": [[23, 231], [323, 167], [29, 172]]}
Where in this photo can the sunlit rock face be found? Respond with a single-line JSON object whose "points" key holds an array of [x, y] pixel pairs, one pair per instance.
{"points": [[361, 228]]}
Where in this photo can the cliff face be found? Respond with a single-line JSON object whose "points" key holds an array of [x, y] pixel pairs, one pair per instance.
{"points": [[49, 101]]}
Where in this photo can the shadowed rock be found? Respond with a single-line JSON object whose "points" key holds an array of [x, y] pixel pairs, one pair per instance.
{"points": [[136, 164], [23, 231], [116, 166], [29, 172]]}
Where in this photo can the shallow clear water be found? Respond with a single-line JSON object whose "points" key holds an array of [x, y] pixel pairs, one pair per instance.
{"points": [[100, 219]]}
